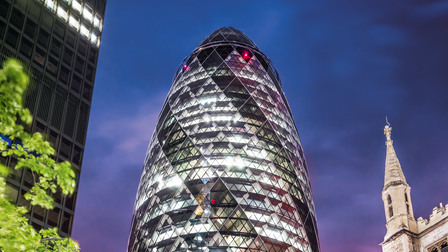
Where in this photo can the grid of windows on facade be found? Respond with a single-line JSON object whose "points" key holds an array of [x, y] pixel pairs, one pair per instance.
{"points": [[61, 59], [225, 170]]}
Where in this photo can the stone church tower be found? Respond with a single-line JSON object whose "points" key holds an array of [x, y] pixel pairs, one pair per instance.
{"points": [[404, 233]]}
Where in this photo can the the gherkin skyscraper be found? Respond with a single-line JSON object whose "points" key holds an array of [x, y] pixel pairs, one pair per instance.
{"points": [[225, 170]]}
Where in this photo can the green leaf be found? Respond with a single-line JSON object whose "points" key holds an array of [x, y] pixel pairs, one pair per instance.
{"points": [[4, 171], [38, 196]]}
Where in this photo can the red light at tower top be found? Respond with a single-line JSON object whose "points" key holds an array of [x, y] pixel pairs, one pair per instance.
{"points": [[213, 201], [185, 67], [246, 56]]}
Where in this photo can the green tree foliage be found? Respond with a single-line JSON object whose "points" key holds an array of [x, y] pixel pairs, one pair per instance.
{"points": [[35, 154]]}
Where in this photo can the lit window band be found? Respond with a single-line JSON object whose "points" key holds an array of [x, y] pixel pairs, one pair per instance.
{"points": [[78, 15]]}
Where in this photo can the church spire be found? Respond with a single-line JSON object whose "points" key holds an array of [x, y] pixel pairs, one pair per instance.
{"points": [[393, 173], [396, 193]]}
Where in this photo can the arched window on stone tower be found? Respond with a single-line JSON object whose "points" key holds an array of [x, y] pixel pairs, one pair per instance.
{"points": [[407, 202], [444, 247], [389, 202]]}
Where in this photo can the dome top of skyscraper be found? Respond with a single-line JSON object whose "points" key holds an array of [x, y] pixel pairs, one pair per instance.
{"points": [[228, 35]]}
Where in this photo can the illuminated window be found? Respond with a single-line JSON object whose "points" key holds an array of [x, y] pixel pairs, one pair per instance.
{"points": [[62, 12], [93, 38], [50, 4], [234, 163], [97, 22], [87, 13], [74, 21], [172, 181], [84, 30], [77, 5]]}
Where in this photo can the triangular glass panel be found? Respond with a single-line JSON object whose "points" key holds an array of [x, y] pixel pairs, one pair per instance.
{"points": [[238, 223], [212, 62], [224, 51], [203, 54], [223, 76], [232, 37], [218, 38], [226, 30], [262, 61], [196, 85], [257, 245]]}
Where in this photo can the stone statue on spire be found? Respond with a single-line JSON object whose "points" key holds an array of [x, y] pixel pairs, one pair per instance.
{"points": [[388, 131]]}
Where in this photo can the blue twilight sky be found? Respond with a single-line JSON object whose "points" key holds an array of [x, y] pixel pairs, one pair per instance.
{"points": [[344, 66]]}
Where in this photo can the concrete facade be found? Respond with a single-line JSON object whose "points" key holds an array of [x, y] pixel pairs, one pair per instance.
{"points": [[404, 233]]}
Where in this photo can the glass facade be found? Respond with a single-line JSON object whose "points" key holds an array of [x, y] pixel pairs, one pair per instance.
{"points": [[58, 43], [225, 170]]}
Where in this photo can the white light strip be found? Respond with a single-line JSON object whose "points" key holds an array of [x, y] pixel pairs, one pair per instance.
{"points": [[236, 138], [207, 100], [235, 162]]}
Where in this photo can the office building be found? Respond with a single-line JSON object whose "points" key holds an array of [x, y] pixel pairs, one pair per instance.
{"points": [[58, 42], [225, 169]]}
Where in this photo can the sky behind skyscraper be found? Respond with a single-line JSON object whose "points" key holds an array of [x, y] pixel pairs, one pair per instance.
{"points": [[344, 66]]}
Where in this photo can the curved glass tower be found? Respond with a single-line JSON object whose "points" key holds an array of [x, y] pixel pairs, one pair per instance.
{"points": [[225, 170]]}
